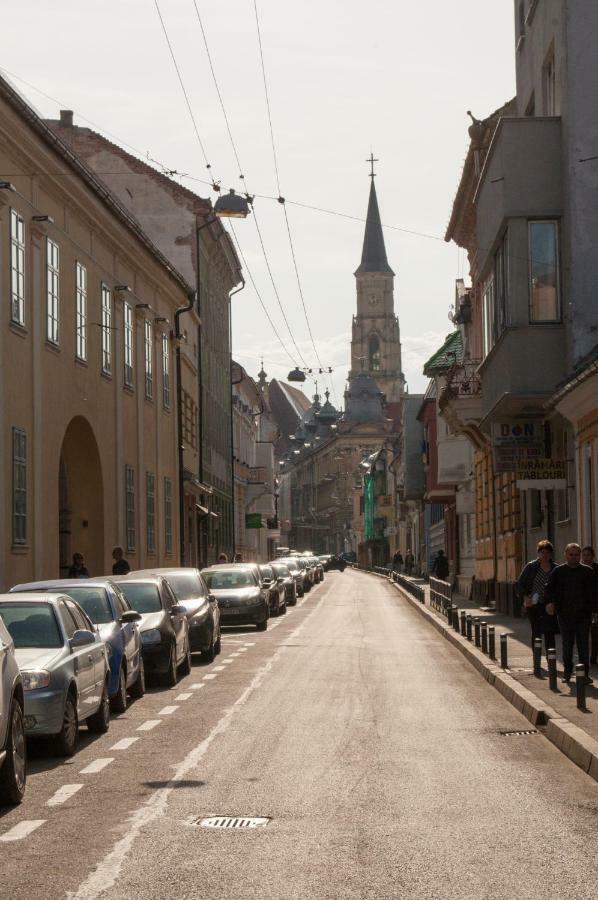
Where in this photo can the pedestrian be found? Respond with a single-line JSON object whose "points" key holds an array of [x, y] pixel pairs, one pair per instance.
{"points": [[440, 566], [222, 558], [409, 562], [531, 585], [120, 566], [238, 557], [588, 559], [78, 568], [397, 561], [572, 595]]}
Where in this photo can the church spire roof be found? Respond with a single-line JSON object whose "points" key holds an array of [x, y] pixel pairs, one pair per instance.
{"points": [[373, 255]]}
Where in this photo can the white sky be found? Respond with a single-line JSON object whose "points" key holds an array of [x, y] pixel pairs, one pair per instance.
{"points": [[345, 77]]}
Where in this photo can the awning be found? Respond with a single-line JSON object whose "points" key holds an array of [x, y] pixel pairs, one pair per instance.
{"points": [[194, 486], [202, 509], [215, 515]]}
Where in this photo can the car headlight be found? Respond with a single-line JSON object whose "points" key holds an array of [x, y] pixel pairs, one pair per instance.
{"points": [[200, 616], [151, 636], [35, 679], [251, 601]]}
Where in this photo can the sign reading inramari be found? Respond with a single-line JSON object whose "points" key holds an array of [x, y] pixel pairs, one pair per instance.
{"points": [[542, 474]]}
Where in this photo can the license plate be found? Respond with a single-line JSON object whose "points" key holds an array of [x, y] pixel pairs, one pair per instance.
{"points": [[231, 612]]}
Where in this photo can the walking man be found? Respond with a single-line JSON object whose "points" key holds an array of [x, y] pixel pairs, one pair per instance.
{"points": [[572, 594], [121, 566], [397, 561], [440, 566], [532, 585]]}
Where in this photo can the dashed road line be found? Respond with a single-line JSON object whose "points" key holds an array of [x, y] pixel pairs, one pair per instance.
{"points": [[227, 662], [147, 726], [184, 696], [124, 744], [63, 794], [209, 677], [97, 765], [22, 830], [167, 710], [196, 687], [218, 669]]}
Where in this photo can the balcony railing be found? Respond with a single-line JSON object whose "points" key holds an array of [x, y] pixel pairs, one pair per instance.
{"points": [[462, 380]]}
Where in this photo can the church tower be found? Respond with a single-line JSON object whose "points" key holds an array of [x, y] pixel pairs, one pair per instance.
{"points": [[376, 341]]}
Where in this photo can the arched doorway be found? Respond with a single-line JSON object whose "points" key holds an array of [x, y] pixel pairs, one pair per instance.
{"points": [[80, 499]]}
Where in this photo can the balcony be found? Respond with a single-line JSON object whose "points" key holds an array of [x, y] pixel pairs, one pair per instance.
{"points": [[521, 178], [460, 400]]}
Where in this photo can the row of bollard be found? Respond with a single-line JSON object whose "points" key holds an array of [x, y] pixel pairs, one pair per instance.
{"points": [[483, 635], [580, 672]]}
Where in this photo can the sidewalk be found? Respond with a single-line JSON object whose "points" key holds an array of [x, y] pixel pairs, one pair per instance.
{"points": [[574, 731]]}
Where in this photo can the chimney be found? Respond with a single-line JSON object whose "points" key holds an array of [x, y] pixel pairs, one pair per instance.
{"points": [[66, 118]]}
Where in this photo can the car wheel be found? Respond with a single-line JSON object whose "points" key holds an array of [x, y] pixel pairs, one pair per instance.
{"points": [[68, 737], [118, 703], [209, 654], [262, 626], [13, 774], [171, 676], [138, 686], [186, 663], [283, 609], [218, 644], [99, 723]]}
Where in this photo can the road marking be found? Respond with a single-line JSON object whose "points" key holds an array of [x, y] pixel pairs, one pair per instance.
{"points": [[22, 830], [167, 710], [97, 765], [209, 677], [124, 744], [242, 650], [227, 662], [63, 794], [147, 726], [250, 645], [196, 687], [183, 696], [218, 669]]}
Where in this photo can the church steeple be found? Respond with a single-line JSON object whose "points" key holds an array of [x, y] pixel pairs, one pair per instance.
{"points": [[373, 254]]}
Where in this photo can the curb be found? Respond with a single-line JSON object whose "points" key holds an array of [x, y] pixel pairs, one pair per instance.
{"points": [[570, 739]]}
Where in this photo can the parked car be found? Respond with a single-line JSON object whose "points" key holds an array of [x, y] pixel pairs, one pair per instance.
{"points": [[283, 573], [337, 562], [203, 614], [308, 572], [63, 663], [117, 623], [13, 748], [325, 560], [164, 627], [314, 564], [296, 571], [274, 584], [241, 597]]}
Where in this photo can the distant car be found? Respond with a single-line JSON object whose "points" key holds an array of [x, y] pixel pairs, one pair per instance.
{"points": [[276, 591], [164, 628], [349, 556], [108, 608], [316, 567], [241, 598], [13, 749], [296, 571], [337, 562], [282, 571], [325, 559], [201, 607], [308, 572], [64, 666]]}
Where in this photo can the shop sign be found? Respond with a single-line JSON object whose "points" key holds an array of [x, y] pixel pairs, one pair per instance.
{"points": [[253, 520], [542, 474], [517, 443]]}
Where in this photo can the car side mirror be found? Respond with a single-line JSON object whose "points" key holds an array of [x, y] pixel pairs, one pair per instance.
{"points": [[280, 579], [82, 638], [130, 616], [178, 610], [212, 598], [267, 581]]}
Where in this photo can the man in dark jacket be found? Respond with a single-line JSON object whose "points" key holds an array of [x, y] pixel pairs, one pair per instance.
{"points": [[440, 566], [572, 594], [588, 559]]}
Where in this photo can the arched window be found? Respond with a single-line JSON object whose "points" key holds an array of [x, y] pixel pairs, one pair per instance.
{"points": [[374, 354]]}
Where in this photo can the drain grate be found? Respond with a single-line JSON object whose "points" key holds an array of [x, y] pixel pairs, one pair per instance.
{"points": [[518, 733], [232, 822]]}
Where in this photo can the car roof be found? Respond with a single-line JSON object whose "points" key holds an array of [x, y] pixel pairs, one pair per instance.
{"points": [[227, 567], [133, 578], [166, 570], [35, 597], [60, 582]]}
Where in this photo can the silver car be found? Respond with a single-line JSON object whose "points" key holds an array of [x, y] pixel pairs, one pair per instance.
{"points": [[13, 753], [63, 663]]}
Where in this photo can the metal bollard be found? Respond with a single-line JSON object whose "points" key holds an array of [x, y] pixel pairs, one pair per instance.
{"points": [[476, 627], [580, 685], [468, 624], [456, 618], [504, 662], [491, 642], [484, 627], [551, 655], [463, 629], [537, 657]]}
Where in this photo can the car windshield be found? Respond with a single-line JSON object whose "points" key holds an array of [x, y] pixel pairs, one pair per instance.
{"points": [[266, 571], [31, 625], [186, 586], [143, 598], [280, 570], [227, 579], [94, 601], [291, 565]]}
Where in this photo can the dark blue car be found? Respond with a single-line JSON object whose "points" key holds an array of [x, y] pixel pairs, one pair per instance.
{"points": [[108, 608]]}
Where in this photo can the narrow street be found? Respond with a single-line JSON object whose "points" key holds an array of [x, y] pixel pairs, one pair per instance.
{"points": [[373, 747]]}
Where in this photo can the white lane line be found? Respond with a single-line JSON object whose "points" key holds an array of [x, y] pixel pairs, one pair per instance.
{"points": [[167, 710], [184, 696], [63, 794], [124, 744], [97, 765], [196, 687], [249, 645], [232, 656], [22, 830], [147, 726], [209, 677], [218, 669], [227, 662], [242, 650]]}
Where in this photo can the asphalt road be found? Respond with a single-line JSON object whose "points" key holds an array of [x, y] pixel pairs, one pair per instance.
{"points": [[375, 750]]}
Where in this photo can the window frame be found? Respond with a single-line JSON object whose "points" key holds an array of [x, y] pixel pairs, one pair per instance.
{"points": [[148, 358], [106, 328], [129, 345], [17, 267], [168, 533], [80, 311], [150, 511], [19, 486], [557, 246], [165, 371], [52, 292], [130, 508]]}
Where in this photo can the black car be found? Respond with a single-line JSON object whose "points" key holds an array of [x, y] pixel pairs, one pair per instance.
{"points": [[284, 574], [337, 562], [201, 607], [164, 627], [296, 571], [276, 590], [241, 598]]}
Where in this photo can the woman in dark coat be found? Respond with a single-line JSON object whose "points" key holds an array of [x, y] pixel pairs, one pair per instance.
{"points": [[531, 585]]}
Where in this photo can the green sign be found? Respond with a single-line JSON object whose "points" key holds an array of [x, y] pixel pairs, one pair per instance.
{"points": [[253, 520], [368, 507]]}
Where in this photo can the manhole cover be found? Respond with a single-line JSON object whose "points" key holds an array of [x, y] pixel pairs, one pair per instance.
{"points": [[518, 733], [233, 822]]}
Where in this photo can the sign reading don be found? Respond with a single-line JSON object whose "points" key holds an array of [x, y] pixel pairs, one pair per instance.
{"points": [[542, 474], [516, 443]]}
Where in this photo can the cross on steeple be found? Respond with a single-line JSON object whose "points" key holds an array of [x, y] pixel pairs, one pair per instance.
{"points": [[371, 161]]}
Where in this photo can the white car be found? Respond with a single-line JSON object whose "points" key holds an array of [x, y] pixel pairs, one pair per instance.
{"points": [[13, 752]]}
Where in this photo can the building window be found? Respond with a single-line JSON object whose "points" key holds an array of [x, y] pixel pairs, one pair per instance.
{"points": [[150, 511], [19, 486], [165, 371], [489, 315], [52, 290], [130, 506], [17, 268], [106, 330], [189, 420], [81, 311], [501, 282], [374, 354], [168, 515], [148, 348], [544, 272], [128, 323]]}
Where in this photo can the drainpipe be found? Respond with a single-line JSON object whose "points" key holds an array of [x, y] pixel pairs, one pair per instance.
{"points": [[232, 446], [179, 411]]}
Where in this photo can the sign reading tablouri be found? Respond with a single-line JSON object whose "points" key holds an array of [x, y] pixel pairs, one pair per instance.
{"points": [[517, 443], [542, 475]]}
